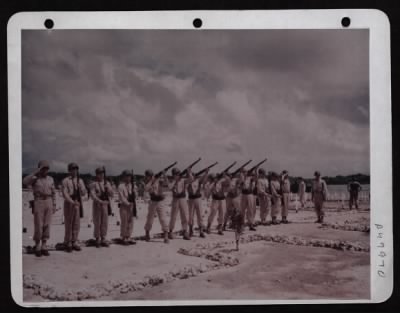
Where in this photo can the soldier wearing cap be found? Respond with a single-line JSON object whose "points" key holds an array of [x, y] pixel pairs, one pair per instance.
{"points": [[154, 186], [248, 201], [44, 193], [285, 196], [218, 203], [263, 195], [179, 203], [275, 188], [127, 197], [72, 186], [318, 195], [100, 190]]}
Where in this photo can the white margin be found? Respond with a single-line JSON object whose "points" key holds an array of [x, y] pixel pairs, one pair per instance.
{"points": [[380, 121]]}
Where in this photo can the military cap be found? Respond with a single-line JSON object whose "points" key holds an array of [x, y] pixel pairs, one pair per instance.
{"points": [[274, 174], [127, 173], [175, 171], [43, 163], [284, 172], [261, 171], [317, 173], [72, 166], [100, 170], [148, 173]]}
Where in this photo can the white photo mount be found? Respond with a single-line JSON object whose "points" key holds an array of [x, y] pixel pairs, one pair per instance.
{"points": [[381, 235]]}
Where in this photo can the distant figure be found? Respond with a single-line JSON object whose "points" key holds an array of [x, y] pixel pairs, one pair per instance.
{"points": [[318, 195], [302, 193], [354, 187], [285, 196]]}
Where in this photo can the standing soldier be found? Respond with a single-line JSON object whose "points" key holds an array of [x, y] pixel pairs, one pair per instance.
{"points": [[302, 193], [354, 187], [127, 205], [154, 186], [194, 191], [218, 203], [285, 196], [179, 203], [232, 199], [101, 192], [248, 203], [73, 189], [44, 205], [318, 195], [263, 195], [275, 187]]}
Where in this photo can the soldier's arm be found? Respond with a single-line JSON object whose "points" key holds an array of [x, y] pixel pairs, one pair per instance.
{"points": [[109, 189], [93, 193], [64, 191], [122, 197], [82, 188], [30, 179]]}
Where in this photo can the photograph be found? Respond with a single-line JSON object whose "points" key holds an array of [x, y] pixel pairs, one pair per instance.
{"points": [[183, 164]]}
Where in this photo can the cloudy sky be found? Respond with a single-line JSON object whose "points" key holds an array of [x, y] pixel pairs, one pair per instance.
{"points": [[144, 98]]}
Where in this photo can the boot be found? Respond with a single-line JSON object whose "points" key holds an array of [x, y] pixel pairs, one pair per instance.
{"points": [[224, 227], [202, 232], [186, 235], [68, 247], [284, 220], [166, 239], [190, 230], [147, 236], [252, 228], [171, 235], [220, 232], [208, 231]]}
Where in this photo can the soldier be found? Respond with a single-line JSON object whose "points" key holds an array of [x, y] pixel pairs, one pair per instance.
{"points": [[44, 205], [318, 195], [127, 205], [154, 186], [232, 199], [354, 187], [302, 193], [194, 191], [73, 189], [179, 203], [248, 203], [285, 196], [218, 203], [275, 187], [101, 192], [263, 195]]}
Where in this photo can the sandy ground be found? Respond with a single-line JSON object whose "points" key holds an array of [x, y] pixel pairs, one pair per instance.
{"points": [[301, 260]]}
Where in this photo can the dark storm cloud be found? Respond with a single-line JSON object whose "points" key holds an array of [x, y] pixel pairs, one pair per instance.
{"points": [[142, 97]]}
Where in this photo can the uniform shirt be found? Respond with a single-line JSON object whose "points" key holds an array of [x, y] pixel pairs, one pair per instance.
{"points": [[319, 187], [98, 188], [124, 192], [41, 186], [217, 188], [354, 187], [179, 187], [275, 188], [155, 187], [262, 186], [194, 187], [247, 183], [234, 187], [286, 185], [302, 188], [69, 185]]}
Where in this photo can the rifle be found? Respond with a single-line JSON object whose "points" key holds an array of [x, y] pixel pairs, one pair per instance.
{"points": [[226, 170], [189, 167], [77, 196], [104, 196], [205, 169], [240, 168], [257, 165], [164, 170], [132, 198]]}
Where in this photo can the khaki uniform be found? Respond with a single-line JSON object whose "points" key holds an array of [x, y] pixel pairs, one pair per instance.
{"points": [[285, 197], [71, 211], [302, 193], [126, 192], [194, 191], [275, 200], [263, 197], [157, 204], [248, 201], [100, 210], [218, 203], [232, 199], [44, 194], [179, 203], [319, 192]]}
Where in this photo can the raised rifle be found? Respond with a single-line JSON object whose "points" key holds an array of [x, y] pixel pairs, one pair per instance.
{"points": [[158, 175], [104, 195], [257, 165], [205, 169], [184, 172], [240, 168], [226, 170]]}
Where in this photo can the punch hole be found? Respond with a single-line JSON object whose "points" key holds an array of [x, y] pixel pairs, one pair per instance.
{"points": [[48, 23], [346, 21], [197, 23]]}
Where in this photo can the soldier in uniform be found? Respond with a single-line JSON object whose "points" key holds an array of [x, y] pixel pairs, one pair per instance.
{"points": [[218, 203], [275, 187], [101, 192], [44, 205], [263, 195], [248, 203], [127, 205], [354, 187], [232, 199], [318, 195], [194, 190], [154, 186], [72, 188], [285, 196], [302, 192]]}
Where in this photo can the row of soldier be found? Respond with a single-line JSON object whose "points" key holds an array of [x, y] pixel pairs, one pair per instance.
{"points": [[231, 193]]}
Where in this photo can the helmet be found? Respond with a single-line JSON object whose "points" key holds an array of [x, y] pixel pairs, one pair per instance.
{"points": [[175, 171], [127, 173], [100, 170], [317, 173], [285, 172], [43, 163], [72, 166], [261, 171], [148, 173]]}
